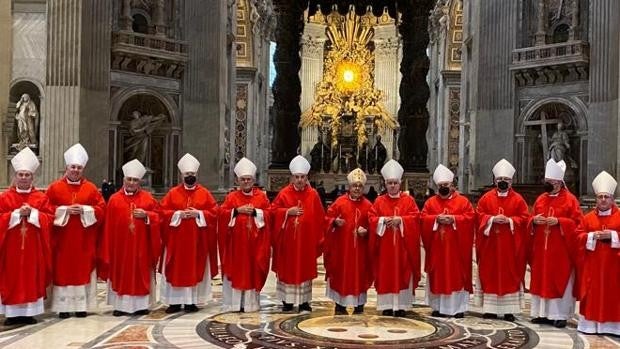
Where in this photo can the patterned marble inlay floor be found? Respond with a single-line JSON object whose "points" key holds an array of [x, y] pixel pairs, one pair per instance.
{"points": [[272, 328]]}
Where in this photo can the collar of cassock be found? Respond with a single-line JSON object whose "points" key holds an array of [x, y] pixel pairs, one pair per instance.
{"points": [[504, 194], [352, 199], [603, 213], [23, 191], [249, 193], [72, 182], [397, 196], [190, 188], [129, 193]]}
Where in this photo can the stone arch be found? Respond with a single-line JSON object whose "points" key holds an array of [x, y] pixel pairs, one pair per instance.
{"points": [[537, 130], [152, 135]]}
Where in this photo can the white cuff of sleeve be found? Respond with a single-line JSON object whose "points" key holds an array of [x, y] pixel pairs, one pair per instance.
{"points": [[61, 218], [591, 242], [381, 226], [88, 217], [487, 229], [233, 219], [175, 221], [260, 218], [16, 218], [200, 220], [615, 243], [33, 218]]}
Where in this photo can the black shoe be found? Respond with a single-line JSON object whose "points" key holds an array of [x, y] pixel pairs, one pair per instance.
{"points": [[436, 313], [540, 320], [489, 316], [388, 312], [119, 313], [241, 310], [80, 314], [64, 315], [28, 320], [559, 323], [190, 308], [509, 317], [459, 315], [305, 307], [400, 313], [141, 312], [359, 309], [173, 308], [287, 306], [10, 321], [340, 310]]}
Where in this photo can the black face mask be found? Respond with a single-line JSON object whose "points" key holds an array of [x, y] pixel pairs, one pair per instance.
{"points": [[443, 191], [502, 185], [189, 180], [548, 187]]}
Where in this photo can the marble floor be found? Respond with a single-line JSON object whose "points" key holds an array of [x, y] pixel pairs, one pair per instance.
{"points": [[271, 328]]}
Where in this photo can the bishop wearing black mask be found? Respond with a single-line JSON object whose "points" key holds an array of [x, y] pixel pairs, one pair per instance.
{"points": [[501, 246]]}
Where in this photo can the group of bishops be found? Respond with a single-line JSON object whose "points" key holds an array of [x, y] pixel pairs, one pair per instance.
{"points": [[68, 238]]}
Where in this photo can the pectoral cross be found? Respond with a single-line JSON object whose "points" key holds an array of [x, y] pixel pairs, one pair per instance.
{"points": [[132, 226], [23, 231], [73, 198], [547, 229], [355, 227], [394, 226], [296, 222], [499, 211], [442, 229]]}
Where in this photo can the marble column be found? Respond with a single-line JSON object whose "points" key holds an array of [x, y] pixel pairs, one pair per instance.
{"points": [[387, 76], [541, 27], [77, 91], [414, 91], [126, 19], [6, 33], [159, 18], [287, 85], [206, 88], [574, 25], [312, 49], [603, 120]]}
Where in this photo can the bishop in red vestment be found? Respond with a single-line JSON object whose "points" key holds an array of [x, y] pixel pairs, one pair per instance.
{"points": [[501, 242], [394, 240], [448, 223], [80, 210], [599, 262], [130, 245], [298, 229], [347, 257], [556, 215], [189, 236], [245, 241], [25, 248]]}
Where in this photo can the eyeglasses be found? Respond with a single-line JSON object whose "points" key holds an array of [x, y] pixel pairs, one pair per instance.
{"points": [[603, 197]]}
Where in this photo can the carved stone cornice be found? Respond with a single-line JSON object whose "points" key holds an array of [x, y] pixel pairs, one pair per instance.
{"points": [[148, 54], [567, 61], [312, 47], [387, 48]]}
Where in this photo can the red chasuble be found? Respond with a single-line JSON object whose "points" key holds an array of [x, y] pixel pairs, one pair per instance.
{"points": [[448, 250], [396, 254], [25, 250], [245, 249], [130, 248], [73, 246], [502, 254], [599, 270], [297, 240], [188, 246], [347, 257], [551, 248]]}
